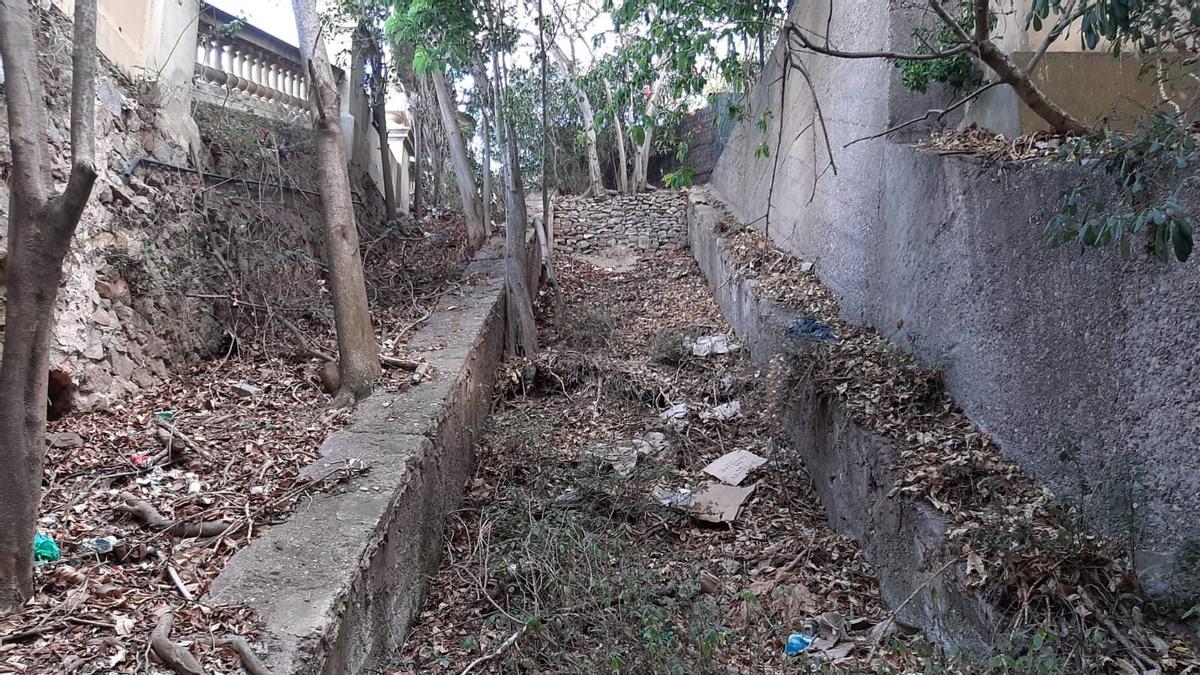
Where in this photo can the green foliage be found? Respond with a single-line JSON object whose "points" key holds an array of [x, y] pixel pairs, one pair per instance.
{"points": [[1156, 167], [1039, 656], [442, 32], [958, 71], [680, 178], [1127, 25]]}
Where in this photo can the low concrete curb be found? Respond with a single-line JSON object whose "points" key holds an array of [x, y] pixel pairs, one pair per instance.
{"points": [[851, 468], [339, 582]]}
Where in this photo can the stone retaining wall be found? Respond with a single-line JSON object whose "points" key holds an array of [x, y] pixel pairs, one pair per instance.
{"points": [[646, 222]]}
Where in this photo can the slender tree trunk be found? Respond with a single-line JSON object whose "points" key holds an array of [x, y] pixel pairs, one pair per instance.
{"points": [[545, 230], [641, 151], [485, 93], [419, 169], [595, 178], [641, 161], [358, 353], [622, 159], [385, 158], [472, 209], [40, 228]]}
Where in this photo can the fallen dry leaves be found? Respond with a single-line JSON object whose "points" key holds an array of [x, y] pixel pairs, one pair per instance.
{"points": [[201, 448], [1019, 547], [581, 563]]}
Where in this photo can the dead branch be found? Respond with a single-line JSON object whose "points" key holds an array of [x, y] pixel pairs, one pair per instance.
{"points": [[178, 581], [509, 642], [937, 113], [176, 433], [238, 644], [178, 658], [403, 364], [145, 512], [309, 349], [1116, 632]]}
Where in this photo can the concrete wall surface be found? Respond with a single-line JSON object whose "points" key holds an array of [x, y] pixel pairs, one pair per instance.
{"points": [[1049, 349], [339, 582]]}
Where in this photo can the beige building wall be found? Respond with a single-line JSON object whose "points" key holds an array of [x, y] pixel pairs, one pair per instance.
{"points": [[1090, 84], [152, 40]]}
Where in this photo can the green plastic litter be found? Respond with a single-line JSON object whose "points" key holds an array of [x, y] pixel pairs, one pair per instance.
{"points": [[44, 549], [166, 415]]}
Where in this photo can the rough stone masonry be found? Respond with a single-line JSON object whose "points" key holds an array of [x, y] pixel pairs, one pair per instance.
{"points": [[646, 222]]}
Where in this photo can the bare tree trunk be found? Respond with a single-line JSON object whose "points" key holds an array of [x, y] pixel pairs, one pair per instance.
{"points": [[641, 161], [595, 178], [472, 209], [40, 228], [385, 158], [358, 353], [545, 230], [618, 129], [520, 326], [485, 132], [419, 164]]}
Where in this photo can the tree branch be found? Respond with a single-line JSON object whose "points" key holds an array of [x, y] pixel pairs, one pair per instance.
{"points": [[983, 21], [951, 23], [1065, 19], [26, 106], [809, 45], [939, 112], [83, 119]]}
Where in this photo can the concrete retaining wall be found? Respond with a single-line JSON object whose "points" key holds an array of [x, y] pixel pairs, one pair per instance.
{"points": [[851, 468], [1048, 349], [339, 582]]}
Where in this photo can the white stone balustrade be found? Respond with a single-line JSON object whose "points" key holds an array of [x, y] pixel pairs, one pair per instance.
{"points": [[237, 64]]}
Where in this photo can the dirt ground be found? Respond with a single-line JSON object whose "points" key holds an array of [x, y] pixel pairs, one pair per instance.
{"points": [[215, 452], [558, 562]]}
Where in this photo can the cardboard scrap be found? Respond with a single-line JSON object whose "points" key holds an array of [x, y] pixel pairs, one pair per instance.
{"points": [[717, 503], [733, 467]]}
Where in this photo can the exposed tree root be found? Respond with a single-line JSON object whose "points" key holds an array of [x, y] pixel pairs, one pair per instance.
{"points": [[249, 660], [173, 655], [145, 512]]}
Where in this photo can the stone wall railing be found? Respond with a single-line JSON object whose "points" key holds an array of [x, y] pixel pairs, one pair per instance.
{"points": [[646, 222], [249, 62]]}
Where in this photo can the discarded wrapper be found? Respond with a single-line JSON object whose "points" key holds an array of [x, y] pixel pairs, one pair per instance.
{"points": [[708, 345], [723, 412]]}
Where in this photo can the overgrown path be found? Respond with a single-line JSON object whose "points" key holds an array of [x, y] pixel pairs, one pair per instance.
{"points": [[564, 557]]}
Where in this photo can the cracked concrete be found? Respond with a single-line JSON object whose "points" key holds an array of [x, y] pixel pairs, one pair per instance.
{"points": [[339, 582]]}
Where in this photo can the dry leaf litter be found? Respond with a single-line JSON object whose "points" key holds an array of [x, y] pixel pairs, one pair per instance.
{"points": [[212, 456], [563, 560], [1016, 542]]}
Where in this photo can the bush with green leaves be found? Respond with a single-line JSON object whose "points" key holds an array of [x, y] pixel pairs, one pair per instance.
{"points": [[1157, 171]]}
